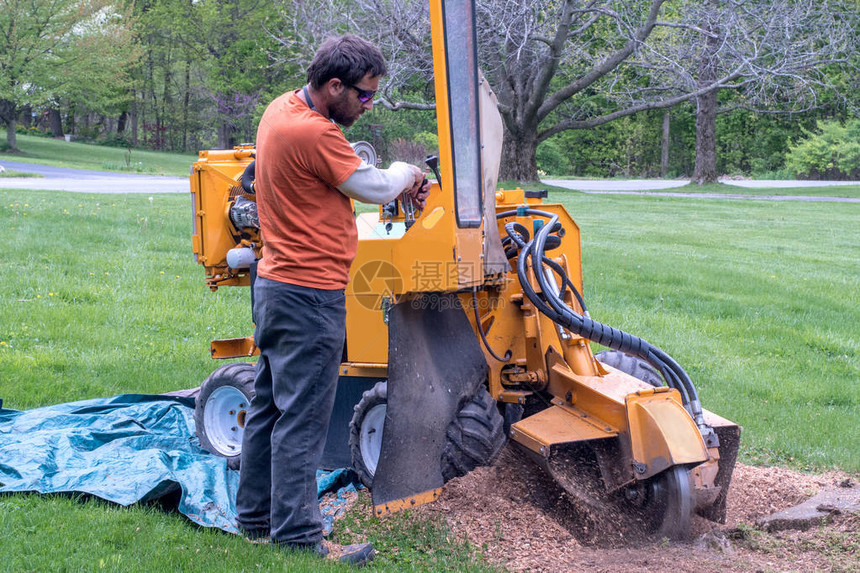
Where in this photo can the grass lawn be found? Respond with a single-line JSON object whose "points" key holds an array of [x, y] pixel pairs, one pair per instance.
{"points": [[106, 299], [58, 152], [824, 191], [64, 533], [759, 300], [13, 173], [723, 189]]}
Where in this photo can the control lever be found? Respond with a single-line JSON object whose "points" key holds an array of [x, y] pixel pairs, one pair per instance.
{"points": [[409, 207], [432, 162], [409, 210], [389, 211]]}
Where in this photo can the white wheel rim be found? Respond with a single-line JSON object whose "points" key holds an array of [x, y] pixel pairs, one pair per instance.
{"points": [[224, 420], [371, 437]]}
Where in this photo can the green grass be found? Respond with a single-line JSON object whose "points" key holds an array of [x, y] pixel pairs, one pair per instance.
{"points": [[759, 300], [106, 298], [852, 191], [721, 188], [103, 298], [13, 173], [63, 533], [404, 542], [60, 153]]}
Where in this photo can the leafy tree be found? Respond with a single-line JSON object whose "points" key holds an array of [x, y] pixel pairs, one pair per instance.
{"points": [[229, 36], [754, 142], [777, 55], [551, 158], [577, 64], [204, 72], [54, 48]]}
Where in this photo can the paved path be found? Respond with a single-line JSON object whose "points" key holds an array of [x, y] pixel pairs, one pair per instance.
{"points": [[784, 183], [85, 181], [616, 184], [655, 187]]}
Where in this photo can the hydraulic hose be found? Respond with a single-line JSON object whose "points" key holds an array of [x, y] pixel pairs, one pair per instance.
{"points": [[522, 238], [248, 178], [483, 334], [551, 304]]}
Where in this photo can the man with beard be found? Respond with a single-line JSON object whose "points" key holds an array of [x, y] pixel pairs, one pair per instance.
{"points": [[306, 173]]}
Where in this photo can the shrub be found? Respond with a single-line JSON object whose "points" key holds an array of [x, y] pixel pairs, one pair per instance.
{"points": [[834, 153], [32, 130], [403, 150], [430, 141], [115, 140], [551, 158], [87, 134]]}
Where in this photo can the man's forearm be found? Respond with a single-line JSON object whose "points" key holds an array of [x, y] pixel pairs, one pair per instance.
{"points": [[371, 185]]}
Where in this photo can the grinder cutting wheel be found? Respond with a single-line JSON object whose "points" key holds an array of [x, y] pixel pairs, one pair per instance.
{"points": [[468, 328]]}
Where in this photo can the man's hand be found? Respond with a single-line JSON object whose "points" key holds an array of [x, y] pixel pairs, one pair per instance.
{"points": [[420, 189]]}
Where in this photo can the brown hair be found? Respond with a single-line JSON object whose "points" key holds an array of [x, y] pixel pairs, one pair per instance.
{"points": [[346, 57]]}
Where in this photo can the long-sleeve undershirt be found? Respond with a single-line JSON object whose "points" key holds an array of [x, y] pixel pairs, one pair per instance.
{"points": [[372, 185]]}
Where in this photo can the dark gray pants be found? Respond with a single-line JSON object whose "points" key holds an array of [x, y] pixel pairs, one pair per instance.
{"points": [[300, 332]]}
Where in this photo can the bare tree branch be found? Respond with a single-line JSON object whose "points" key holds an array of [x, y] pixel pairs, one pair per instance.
{"points": [[574, 64], [724, 83], [394, 106]]}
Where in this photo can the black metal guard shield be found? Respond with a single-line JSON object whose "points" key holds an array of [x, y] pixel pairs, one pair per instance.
{"points": [[435, 365]]}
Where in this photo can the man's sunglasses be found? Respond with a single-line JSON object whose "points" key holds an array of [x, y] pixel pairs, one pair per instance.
{"points": [[364, 96]]}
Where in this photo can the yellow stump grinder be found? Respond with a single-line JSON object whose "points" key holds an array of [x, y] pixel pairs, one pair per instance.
{"points": [[466, 328]]}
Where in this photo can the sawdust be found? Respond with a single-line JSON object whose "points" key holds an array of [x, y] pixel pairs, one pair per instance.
{"points": [[522, 521]]}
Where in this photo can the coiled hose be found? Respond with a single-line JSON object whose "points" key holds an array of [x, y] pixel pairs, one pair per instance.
{"points": [[552, 305]]}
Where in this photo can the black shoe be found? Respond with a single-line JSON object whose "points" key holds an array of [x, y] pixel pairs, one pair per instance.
{"points": [[357, 554]]}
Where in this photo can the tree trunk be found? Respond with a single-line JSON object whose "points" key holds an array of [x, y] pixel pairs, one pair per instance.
{"points": [[27, 115], [664, 146], [222, 136], [519, 158], [227, 136], [8, 111], [70, 117], [185, 104], [705, 170], [134, 120], [55, 122], [11, 136], [167, 112]]}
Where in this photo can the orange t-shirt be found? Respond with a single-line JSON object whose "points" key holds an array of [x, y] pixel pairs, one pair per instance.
{"points": [[307, 225]]}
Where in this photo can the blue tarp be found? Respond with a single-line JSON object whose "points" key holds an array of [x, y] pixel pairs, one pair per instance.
{"points": [[127, 449]]}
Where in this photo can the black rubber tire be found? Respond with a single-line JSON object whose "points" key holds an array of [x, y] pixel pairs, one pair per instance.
{"points": [[376, 396], [632, 365], [475, 438], [238, 375]]}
